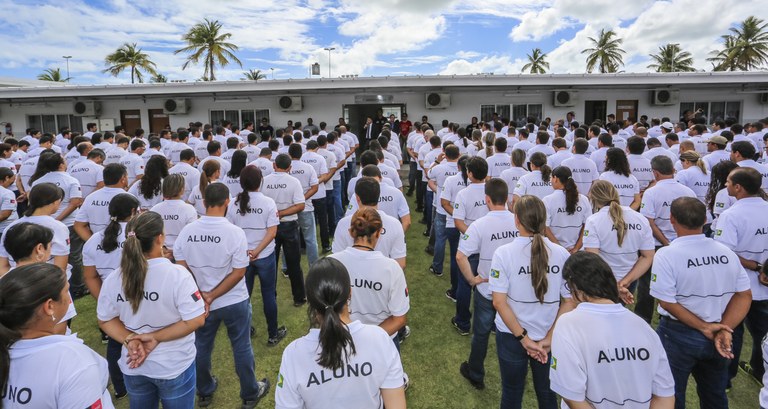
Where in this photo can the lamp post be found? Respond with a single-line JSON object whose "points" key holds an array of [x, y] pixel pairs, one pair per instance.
{"points": [[273, 73], [67, 57], [329, 49]]}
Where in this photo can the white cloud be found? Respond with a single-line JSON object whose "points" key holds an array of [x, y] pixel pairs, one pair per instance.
{"points": [[496, 64], [535, 26]]}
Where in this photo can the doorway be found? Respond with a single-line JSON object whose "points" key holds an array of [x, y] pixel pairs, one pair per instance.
{"points": [[594, 110], [158, 120], [626, 110], [355, 114], [130, 119]]}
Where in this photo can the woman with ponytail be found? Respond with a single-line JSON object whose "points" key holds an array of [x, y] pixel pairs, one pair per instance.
{"points": [[513, 174], [567, 211], [488, 140], [51, 168], [617, 172], [717, 199], [335, 343], [694, 175], [38, 368], [210, 173], [476, 144], [618, 234], [149, 188], [529, 294], [152, 307], [176, 213], [232, 178], [537, 182]]}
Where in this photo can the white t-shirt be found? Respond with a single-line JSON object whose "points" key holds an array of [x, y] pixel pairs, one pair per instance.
{"points": [[353, 182], [469, 203], [8, 202], [391, 242], [26, 171], [267, 167], [89, 174], [71, 189], [214, 235], [723, 201], [598, 157], [233, 184], [696, 180], [330, 162], [115, 155], [558, 157], [657, 202], [715, 157], [176, 214], [439, 174], [453, 185], [657, 151], [225, 166], [391, 201], [74, 377], [584, 171], [201, 150], [285, 190], [600, 234], [175, 152], [510, 275], [191, 176], [144, 203], [566, 227], [387, 172], [497, 163], [483, 237], [307, 176], [95, 208], [260, 216], [134, 164], [763, 169], [378, 283], [94, 255], [627, 186], [511, 176], [302, 383], [59, 244], [170, 296], [744, 229], [533, 184], [320, 166], [640, 167], [698, 273], [596, 348]]}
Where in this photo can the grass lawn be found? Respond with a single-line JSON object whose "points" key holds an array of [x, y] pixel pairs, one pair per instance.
{"points": [[431, 355]]}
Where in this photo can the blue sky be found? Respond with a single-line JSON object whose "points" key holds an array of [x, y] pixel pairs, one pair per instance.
{"points": [[371, 37]]}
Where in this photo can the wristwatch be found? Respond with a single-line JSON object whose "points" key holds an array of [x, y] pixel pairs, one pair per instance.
{"points": [[758, 266], [521, 336]]}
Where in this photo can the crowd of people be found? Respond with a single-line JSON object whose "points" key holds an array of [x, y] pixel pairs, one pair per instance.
{"points": [[553, 229]]}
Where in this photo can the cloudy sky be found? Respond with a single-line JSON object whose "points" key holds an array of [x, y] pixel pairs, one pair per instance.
{"points": [[371, 37]]}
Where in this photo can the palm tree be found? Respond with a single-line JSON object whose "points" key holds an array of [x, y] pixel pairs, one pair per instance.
{"points": [[537, 63], [158, 79], [204, 40], [52, 74], [744, 49], [129, 56], [606, 52], [672, 59], [254, 75]]}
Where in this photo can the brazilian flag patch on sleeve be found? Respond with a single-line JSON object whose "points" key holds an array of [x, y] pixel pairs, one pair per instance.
{"points": [[494, 273], [279, 380]]}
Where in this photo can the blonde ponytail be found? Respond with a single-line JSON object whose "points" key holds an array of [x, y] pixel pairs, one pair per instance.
{"points": [[602, 194]]}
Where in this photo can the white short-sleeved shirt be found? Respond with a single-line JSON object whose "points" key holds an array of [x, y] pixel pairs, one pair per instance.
{"points": [[75, 376], [176, 214], [532, 184], [307, 176], [387, 172], [744, 229], [170, 296], [453, 185], [723, 201], [201, 150], [134, 164], [543, 148], [330, 162], [95, 255], [89, 174], [511, 176], [558, 157], [483, 237], [696, 180], [439, 174], [59, 244], [566, 227], [510, 275], [214, 235], [378, 283], [698, 273], [353, 182], [375, 365], [427, 155], [391, 242], [600, 234], [285, 190], [657, 203], [71, 188], [233, 184], [8, 202], [320, 166], [584, 171], [497, 163], [225, 166], [260, 216], [598, 157], [144, 203], [657, 151], [763, 169], [191, 176], [716, 157], [391, 201], [597, 347], [266, 166], [175, 151], [196, 199], [115, 155], [640, 167], [627, 186], [469, 203], [95, 208]]}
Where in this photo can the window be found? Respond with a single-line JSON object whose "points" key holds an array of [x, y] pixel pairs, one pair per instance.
{"points": [[713, 111], [487, 111], [521, 112], [53, 123], [238, 117]]}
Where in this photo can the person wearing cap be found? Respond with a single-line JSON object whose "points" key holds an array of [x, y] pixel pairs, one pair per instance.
{"points": [[717, 153]]}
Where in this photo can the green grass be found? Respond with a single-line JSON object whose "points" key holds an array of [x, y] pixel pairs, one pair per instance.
{"points": [[431, 355]]}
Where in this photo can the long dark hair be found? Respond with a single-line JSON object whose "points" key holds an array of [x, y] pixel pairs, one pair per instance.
{"points": [[328, 290], [41, 195], [539, 159], [49, 161], [22, 291], [21, 239], [154, 173], [250, 181], [616, 161], [565, 176], [141, 234], [209, 169], [588, 274], [121, 208], [462, 163], [239, 159], [532, 215], [719, 174]]}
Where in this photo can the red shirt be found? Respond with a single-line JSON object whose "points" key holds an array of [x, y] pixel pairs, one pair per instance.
{"points": [[405, 128]]}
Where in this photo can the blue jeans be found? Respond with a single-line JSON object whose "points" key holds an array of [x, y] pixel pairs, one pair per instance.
{"points": [[513, 366], [481, 331], [338, 210], [757, 324], [237, 319], [177, 393], [690, 352], [309, 231], [265, 269], [428, 208], [462, 291], [114, 352], [440, 239]]}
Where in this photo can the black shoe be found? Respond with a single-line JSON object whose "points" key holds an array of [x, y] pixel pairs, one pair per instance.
{"points": [[104, 339], [253, 331], [436, 273], [462, 332], [419, 210], [426, 233], [409, 192], [263, 390], [299, 303], [281, 333], [451, 296], [203, 401], [464, 370], [120, 395], [429, 250], [285, 274], [327, 249]]}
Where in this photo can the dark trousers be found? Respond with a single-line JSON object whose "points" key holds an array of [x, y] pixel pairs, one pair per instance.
{"points": [[421, 188], [321, 216], [645, 303], [330, 211], [756, 322], [114, 351], [288, 240], [428, 208], [413, 172], [76, 282]]}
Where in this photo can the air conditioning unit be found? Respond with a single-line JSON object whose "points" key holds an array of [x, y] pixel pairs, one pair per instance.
{"points": [[665, 97], [290, 104], [87, 108], [176, 106], [438, 100], [763, 98], [562, 98]]}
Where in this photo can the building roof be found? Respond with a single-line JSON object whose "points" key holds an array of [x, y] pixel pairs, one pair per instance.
{"points": [[11, 82], [748, 81]]}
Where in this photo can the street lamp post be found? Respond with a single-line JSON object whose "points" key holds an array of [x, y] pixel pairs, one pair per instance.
{"points": [[67, 57], [273, 73], [329, 49]]}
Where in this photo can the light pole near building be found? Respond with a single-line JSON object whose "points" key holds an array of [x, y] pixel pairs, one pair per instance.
{"points": [[329, 49], [67, 57], [273, 72]]}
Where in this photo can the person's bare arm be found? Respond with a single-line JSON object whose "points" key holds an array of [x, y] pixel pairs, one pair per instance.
{"points": [[268, 237], [635, 205], [83, 230], [662, 402], [311, 192], [460, 225], [92, 280], [447, 206], [297, 208], [74, 203], [657, 234], [393, 324], [406, 222], [393, 398]]}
